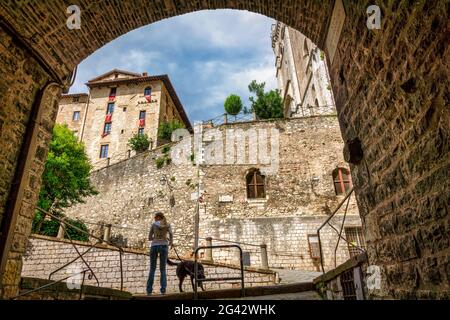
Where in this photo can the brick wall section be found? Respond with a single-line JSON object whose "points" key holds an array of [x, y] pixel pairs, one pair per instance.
{"points": [[286, 239], [45, 255]]}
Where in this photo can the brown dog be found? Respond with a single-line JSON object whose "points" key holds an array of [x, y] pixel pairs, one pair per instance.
{"points": [[186, 268]]}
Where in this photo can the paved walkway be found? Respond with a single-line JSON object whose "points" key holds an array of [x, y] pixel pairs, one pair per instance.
{"points": [[295, 276], [307, 295]]}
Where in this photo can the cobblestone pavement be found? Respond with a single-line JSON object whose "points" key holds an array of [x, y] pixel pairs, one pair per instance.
{"points": [[293, 276]]}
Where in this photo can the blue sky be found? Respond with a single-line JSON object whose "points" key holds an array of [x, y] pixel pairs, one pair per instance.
{"points": [[207, 55]]}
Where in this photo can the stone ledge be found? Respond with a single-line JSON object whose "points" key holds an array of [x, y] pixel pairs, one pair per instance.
{"points": [[28, 283], [349, 264]]}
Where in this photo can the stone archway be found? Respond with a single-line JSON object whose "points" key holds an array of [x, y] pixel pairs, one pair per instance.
{"points": [[391, 90]]}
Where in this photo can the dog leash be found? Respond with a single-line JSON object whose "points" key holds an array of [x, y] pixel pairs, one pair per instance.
{"points": [[190, 273], [173, 247]]}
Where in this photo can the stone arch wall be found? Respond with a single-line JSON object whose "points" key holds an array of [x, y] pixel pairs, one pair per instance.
{"points": [[44, 27], [391, 91]]}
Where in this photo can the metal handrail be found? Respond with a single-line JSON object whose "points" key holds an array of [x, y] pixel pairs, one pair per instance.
{"points": [[175, 235], [218, 279], [80, 255], [327, 221], [340, 231]]}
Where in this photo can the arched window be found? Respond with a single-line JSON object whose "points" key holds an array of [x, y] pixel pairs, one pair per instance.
{"points": [[147, 91], [342, 181], [255, 185]]}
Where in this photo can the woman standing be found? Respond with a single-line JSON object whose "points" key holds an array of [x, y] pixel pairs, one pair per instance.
{"points": [[159, 232]]}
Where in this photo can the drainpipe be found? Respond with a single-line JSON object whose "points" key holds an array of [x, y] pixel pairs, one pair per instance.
{"points": [[85, 116]]}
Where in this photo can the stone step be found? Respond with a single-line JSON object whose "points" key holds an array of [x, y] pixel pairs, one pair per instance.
{"points": [[234, 293]]}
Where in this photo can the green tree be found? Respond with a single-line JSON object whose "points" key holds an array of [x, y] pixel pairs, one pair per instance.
{"points": [[65, 180], [233, 104], [266, 105], [167, 127], [139, 142]]}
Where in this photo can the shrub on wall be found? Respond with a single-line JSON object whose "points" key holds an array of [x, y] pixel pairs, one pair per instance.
{"points": [[50, 227], [266, 105], [160, 162], [139, 142], [75, 234], [233, 104]]}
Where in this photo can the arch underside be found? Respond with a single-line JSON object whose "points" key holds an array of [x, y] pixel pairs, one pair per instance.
{"points": [[42, 25]]}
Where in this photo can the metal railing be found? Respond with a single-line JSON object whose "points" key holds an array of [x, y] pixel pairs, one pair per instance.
{"points": [[196, 280], [339, 232], [80, 255], [226, 118]]}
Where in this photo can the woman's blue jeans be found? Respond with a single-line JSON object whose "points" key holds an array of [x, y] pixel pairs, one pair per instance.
{"points": [[162, 251]]}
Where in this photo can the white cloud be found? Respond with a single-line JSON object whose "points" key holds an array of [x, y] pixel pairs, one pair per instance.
{"points": [[207, 55]]}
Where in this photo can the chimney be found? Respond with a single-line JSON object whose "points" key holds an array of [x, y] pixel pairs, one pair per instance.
{"points": [[144, 74]]}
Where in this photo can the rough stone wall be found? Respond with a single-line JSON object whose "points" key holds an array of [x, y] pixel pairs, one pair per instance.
{"points": [[131, 191], [286, 239], [43, 31], [391, 90], [45, 255], [24, 83], [299, 197]]}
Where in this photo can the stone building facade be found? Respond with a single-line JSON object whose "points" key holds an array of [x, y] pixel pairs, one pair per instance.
{"points": [[120, 104], [298, 196], [72, 110], [302, 73]]}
